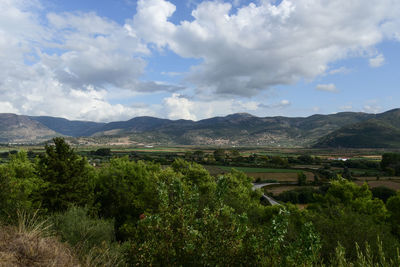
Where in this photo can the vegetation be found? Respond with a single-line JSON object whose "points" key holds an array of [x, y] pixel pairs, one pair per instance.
{"points": [[128, 212]]}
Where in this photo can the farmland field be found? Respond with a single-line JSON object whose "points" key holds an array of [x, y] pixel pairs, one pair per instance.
{"points": [[279, 176], [278, 189], [262, 174], [395, 184], [258, 170]]}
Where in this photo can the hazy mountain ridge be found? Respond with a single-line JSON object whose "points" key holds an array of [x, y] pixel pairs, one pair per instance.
{"points": [[345, 129]]}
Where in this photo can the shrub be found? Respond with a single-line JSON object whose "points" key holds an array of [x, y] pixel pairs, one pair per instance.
{"points": [[77, 228]]}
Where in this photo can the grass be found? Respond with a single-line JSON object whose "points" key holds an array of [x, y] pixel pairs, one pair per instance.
{"points": [[29, 244], [258, 170]]}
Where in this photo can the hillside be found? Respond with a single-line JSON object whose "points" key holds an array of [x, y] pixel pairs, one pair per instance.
{"points": [[22, 129], [67, 127], [235, 129], [345, 129], [383, 131]]}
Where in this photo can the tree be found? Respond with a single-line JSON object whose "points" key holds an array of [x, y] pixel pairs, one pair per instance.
{"points": [[383, 192], [219, 155], [391, 163], [124, 190], [393, 205], [301, 178], [103, 152], [347, 174], [68, 178], [18, 182]]}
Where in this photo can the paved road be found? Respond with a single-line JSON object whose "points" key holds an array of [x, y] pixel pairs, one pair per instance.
{"points": [[270, 199]]}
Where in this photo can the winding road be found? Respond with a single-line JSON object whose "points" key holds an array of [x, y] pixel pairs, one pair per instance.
{"points": [[270, 199]]}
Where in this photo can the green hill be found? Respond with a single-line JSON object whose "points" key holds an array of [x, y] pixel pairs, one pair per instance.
{"points": [[383, 131]]}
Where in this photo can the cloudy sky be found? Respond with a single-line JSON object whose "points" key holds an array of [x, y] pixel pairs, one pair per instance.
{"points": [[108, 60]]}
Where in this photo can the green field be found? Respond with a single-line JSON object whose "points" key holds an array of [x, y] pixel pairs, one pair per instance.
{"points": [[258, 170]]}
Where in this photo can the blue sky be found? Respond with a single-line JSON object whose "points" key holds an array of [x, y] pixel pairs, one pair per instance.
{"points": [[113, 60]]}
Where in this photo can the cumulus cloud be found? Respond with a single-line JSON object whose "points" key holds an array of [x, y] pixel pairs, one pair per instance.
{"points": [[69, 64], [72, 64], [330, 87], [377, 61], [178, 106], [254, 47]]}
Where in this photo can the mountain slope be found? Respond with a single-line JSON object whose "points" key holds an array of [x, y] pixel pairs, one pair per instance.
{"points": [[22, 129], [345, 129], [383, 131], [235, 129], [67, 127]]}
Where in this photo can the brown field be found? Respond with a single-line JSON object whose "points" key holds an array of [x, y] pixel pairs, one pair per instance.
{"points": [[395, 185], [276, 189], [280, 177], [384, 178]]}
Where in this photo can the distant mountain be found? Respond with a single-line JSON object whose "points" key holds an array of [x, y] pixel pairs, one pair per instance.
{"points": [[67, 127], [22, 129], [382, 131], [345, 129]]}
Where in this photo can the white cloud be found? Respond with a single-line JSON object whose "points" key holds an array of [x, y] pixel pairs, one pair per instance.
{"points": [[7, 107], [281, 104], [177, 106], [372, 108], [341, 70], [326, 87], [377, 61], [69, 64], [255, 47], [78, 65]]}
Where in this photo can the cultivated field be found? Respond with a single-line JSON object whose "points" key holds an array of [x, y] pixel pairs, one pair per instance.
{"points": [[392, 184]]}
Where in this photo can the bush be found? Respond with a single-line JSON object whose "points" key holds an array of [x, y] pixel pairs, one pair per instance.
{"points": [[299, 195], [383, 193], [77, 228]]}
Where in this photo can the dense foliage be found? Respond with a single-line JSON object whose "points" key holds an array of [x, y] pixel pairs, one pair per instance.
{"points": [[133, 213]]}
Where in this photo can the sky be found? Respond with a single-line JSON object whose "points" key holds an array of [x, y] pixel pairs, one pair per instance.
{"points": [[104, 60]]}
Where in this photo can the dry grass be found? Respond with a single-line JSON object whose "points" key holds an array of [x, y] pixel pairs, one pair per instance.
{"points": [[29, 244], [27, 249]]}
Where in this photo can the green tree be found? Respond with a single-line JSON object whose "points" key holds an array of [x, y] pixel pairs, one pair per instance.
{"points": [[393, 205], [391, 163], [301, 178], [126, 189], [18, 182], [68, 178], [104, 152], [349, 214], [219, 155]]}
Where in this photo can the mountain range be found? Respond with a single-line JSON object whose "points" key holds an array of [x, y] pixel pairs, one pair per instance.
{"points": [[344, 129]]}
